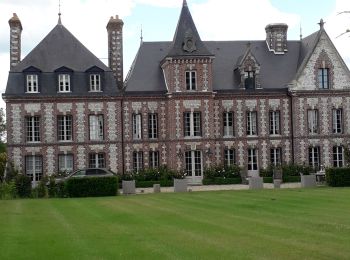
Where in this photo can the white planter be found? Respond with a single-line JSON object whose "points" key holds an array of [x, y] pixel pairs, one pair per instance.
{"points": [[180, 185], [156, 188], [277, 183], [128, 187], [308, 181], [256, 183]]}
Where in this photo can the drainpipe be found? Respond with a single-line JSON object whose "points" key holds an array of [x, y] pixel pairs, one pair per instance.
{"points": [[291, 121]]}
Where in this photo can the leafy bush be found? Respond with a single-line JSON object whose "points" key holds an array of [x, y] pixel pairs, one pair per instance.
{"points": [[3, 160], [8, 190], [23, 185], [92, 187], [152, 174], [41, 190], [268, 179], [222, 180], [219, 171], [291, 178], [295, 170], [148, 184], [338, 177]]}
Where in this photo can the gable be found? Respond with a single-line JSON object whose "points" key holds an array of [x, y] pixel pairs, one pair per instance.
{"points": [[324, 53]]}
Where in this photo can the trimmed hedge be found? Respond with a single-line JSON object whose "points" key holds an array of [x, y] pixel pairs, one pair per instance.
{"points": [[221, 181], [92, 187], [338, 177], [23, 186], [148, 184], [268, 179], [291, 179]]}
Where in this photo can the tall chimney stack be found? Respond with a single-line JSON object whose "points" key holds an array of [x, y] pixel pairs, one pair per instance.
{"points": [[15, 40], [276, 37], [115, 48]]}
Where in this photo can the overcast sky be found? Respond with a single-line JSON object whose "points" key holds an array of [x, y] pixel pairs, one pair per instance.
{"points": [[215, 20]]}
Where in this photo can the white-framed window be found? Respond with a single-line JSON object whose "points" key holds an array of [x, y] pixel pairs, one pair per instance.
{"points": [[95, 82], [337, 121], [229, 157], [192, 124], [314, 157], [252, 159], [34, 167], [97, 160], [276, 156], [153, 159], [65, 163], [251, 123], [32, 128], [65, 126], [228, 124], [63, 83], [338, 156], [152, 125], [136, 126], [137, 158], [312, 118], [193, 160], [96, 127], [275, 123], [323, 78], [191, 80], [32, 83], [249, 79]]}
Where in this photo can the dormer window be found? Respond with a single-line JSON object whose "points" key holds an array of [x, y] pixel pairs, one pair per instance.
{"points": [[249, 80], [191, 80], [32, 83], [323, 78], [95, 82], [63, 83]]}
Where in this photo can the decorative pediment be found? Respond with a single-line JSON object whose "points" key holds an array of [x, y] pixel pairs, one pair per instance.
{"points": [[63, 69], [31, 69], [94, 69]]}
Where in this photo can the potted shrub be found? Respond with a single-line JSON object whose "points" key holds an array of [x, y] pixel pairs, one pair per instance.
{"points": [[277, 176], [128, 183], [180, 182]]}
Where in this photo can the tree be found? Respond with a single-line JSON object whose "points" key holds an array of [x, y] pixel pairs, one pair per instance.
{"points": [[2, 131]]}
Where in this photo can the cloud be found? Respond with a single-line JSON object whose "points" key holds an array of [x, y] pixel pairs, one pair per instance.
{"points": [[161, 3]]}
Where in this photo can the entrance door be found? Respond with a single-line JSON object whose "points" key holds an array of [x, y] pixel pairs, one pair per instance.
{"points": [[253, 162], [194, 169]]}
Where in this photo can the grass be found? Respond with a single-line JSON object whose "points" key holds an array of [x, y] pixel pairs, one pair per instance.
{"points": [[265, 224]]}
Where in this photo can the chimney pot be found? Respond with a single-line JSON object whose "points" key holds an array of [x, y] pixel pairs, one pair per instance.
{"points": [[276, 37]]}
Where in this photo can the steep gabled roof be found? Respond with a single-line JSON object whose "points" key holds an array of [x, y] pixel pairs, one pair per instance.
{"points": [[187, 41], [60, 48]]}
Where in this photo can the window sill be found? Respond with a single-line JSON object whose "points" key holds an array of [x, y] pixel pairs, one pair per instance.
{"points": [[275, 135], [33, 142], [65, 141], [193, 137], [228, 136], [252, 136], [32, 92], [64, 91], [95, 91]]}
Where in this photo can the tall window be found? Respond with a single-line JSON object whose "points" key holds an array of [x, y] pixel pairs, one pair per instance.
{"points": [[191, 80], [64, 128], [275, 123], [312, 118], [229, 157], [97, 160], [249, 79], [252, 159], [323, 78], [137, 161], [153, 159], [314, 157], [95, 82], [65, 163], [96, 127], [338, 156], [251, 123], [152, 126], [32, 128], [276, 156], [192, 123], [193, 160], [337, 121], [228, 124], [64, 83], [32, 84], [34, 167], [136, 126]]}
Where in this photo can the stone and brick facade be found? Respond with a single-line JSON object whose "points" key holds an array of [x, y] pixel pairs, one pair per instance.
{"points": [[186, 104]]}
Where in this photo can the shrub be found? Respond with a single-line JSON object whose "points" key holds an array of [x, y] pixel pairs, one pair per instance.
{"points": [[338, 177], [148, 184], [8, 190], [268, 179], [42, 188], [222, 180], [23, 185], [92, 187], [291, 178], [215, 171]]}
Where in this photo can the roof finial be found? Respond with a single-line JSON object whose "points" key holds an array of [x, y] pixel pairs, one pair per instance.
{"points": [[301, 32], [59, 12], [249, 45], [141, 37], [184, 3], [321, 23]]}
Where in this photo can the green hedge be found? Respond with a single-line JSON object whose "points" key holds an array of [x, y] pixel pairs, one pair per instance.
{"points": [[268, 179], [291, 179], [23, 186], [221, 181], [92, 187], [148, 184], [338, 177]]}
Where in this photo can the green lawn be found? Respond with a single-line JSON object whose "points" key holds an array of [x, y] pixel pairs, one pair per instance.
{"points": [[266, 224]]}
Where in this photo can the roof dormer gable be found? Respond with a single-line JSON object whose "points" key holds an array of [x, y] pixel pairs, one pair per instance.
{"points": [[63, 69]]}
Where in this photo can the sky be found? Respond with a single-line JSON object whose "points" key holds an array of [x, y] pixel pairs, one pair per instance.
{"points": [[215, 20]]}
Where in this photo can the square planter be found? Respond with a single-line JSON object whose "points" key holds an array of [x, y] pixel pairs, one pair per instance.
{"points": [[308, 181], [255, 183], [156, 188], [128, 187], [277, 183], [180, 185]]}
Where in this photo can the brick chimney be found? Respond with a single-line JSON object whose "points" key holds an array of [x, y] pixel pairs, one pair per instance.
{"points": [[276, 37], [15, 40], [115, 48]]}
